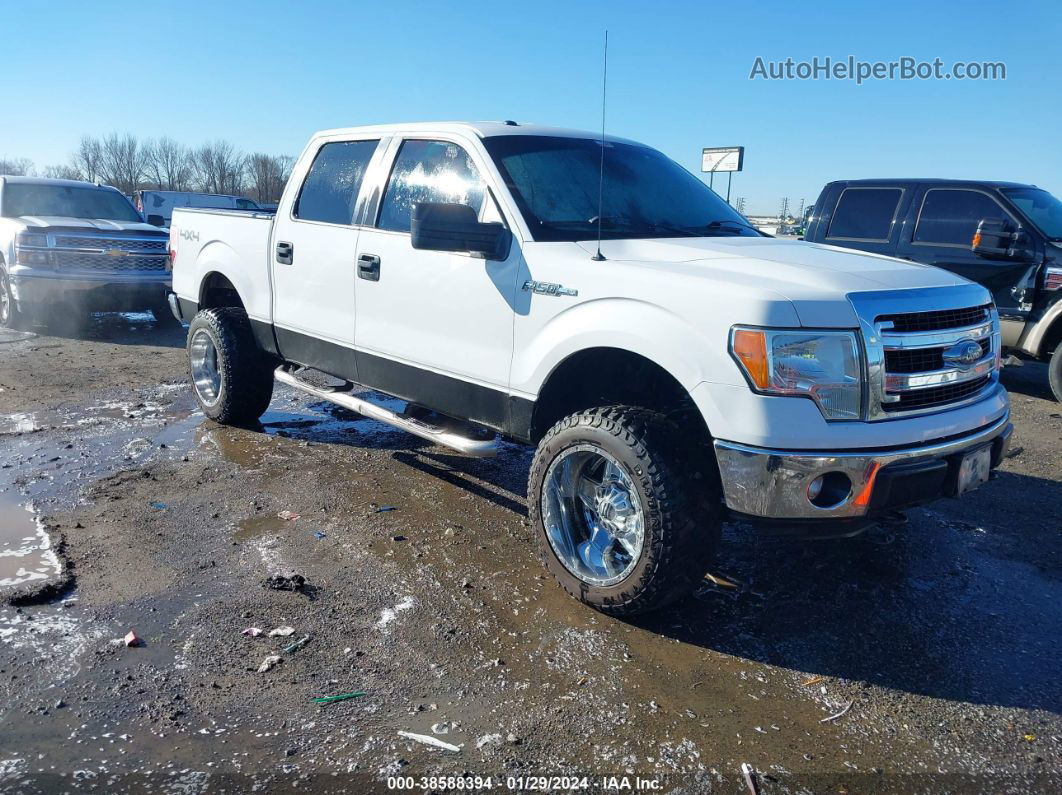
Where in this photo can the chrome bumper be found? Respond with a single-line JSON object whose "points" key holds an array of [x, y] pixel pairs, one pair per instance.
{"points": [[773, 484]]}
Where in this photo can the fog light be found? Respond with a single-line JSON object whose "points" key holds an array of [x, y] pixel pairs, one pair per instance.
{"points": [[829, 490]]}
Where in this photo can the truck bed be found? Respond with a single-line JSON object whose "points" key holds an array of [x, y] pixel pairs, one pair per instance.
{"points": [[233, 242]]}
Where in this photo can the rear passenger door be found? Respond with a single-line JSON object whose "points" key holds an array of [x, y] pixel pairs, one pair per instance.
{"points": [[315, 240], [946, 219], [867, 218]]}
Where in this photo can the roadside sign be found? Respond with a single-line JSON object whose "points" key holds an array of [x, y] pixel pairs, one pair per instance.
{"points": [[722, 158]]}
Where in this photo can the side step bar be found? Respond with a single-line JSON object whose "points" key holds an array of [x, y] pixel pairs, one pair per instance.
{"points": [[474, 447]]}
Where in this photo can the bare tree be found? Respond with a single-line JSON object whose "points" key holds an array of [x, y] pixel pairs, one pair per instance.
{"points": [[88, 159], [169, 164], [16, 166], [61, 172], [124, 162], [268, 174], [219, 168]]}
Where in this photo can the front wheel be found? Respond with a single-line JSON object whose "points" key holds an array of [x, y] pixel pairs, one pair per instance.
{"points": [[9, 314], [614, 509], [231, 376], [1054, 372]]}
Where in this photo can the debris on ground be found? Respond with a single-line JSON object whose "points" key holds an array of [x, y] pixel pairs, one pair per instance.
{"points": [[1014, 452], [844, 711], [281, 632], [750, 778], [428, 740], [722, 582], [294, 647], [386, 508], [319, 535], [252, 632], [488, 739], [338, 697], [132, 639], [280, 582], [159, 506], [269, 663], [813, 680], [441, 728], [288, 516]]}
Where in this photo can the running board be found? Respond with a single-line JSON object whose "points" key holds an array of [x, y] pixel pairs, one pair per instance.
{"points": [[474, 447]]}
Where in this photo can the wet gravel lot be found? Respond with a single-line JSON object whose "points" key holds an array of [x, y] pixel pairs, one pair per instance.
{"points": [[920, 657]]}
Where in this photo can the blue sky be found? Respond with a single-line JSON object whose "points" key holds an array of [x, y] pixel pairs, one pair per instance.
{"points": [[264, 75]]}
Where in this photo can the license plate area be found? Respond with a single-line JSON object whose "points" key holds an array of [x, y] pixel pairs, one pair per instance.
{"points": [[975, 468]]}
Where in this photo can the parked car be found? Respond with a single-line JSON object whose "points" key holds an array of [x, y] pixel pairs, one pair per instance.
{"points": [[77, 246], [158, 205], [680, 366], [1004, 235]]}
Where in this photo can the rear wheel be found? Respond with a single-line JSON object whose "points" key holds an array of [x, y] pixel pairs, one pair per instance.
{"points": [[1054, 372], [231, 376], [616, 514]]}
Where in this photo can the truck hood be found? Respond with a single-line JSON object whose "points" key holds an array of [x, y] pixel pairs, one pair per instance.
{"points": [[97, 224], [815, 278]]}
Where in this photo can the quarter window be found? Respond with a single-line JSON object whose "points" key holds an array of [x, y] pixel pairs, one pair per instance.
{"points": [[865, 214], [331, 187], [950, 217], [429, 171]]}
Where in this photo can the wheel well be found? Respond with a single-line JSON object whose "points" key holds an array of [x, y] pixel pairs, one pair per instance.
{"points": [[217, 292], [607, 376], [1051, 339]]}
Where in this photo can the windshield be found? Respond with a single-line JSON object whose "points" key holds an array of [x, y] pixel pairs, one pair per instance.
{"points": [[67, 201], [555, 182], [1040, 207]]}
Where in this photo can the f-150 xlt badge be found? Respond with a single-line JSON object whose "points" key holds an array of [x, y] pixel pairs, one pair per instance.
{"points": [[549, 288]]}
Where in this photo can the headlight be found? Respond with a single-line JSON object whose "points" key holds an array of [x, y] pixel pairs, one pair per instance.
{"points": [[822, 365], [31, 249]]}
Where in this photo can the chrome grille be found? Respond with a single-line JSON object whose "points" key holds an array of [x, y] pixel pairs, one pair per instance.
{"points": [[936, 320], [100, 242], [924, 360]]}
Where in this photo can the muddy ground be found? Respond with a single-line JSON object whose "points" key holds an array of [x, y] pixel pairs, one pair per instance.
{"points": [[122, 509]]}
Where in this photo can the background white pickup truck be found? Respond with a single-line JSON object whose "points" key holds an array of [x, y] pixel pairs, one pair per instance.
{"points": [[687, 368]]}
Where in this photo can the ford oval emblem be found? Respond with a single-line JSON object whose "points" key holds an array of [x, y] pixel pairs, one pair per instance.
{"points": [[963, 353]]}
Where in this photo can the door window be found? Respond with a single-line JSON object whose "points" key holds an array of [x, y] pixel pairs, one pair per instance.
{"points": [[865, 214], [330, 189], [429, 171], [950, 217]]}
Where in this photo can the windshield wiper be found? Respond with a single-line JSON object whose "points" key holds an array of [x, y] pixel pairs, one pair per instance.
{"points": [[721, 226]]}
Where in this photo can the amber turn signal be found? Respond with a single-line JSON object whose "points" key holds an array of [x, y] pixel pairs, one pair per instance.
{"points": [[750, 347]]}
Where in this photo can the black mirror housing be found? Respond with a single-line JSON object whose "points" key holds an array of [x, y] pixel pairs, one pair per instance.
{"points": [[156, 220], [438, 226], [997, 239]]}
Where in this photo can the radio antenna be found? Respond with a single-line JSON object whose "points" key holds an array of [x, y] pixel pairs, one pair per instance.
{"points": [[599, 257]]}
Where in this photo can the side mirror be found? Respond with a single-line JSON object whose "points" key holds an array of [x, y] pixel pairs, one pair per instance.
{"points": [[996, 239], [156, 220], [455, 227]]}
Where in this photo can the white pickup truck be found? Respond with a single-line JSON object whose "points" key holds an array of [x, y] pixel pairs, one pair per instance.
{"points": [[587, 295]]}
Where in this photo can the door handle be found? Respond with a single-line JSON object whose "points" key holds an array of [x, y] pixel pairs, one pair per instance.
{"points": [[369, 267], [285, 253]]}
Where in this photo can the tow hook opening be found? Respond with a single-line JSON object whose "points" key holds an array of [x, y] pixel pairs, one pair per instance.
{"points": [[829, 490]]}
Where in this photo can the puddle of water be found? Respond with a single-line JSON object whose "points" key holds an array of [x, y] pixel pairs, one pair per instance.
{"points": [[25, 551]]}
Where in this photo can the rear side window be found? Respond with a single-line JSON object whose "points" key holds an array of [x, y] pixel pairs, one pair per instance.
{"points": [[429, 171], [865, 214], [950, 217], [331, 188]]}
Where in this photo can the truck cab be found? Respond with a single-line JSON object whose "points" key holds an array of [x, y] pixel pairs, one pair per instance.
{"points": [[1006, 236]]}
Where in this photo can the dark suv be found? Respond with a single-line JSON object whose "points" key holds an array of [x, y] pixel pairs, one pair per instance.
{"points": [[1005, 235]]}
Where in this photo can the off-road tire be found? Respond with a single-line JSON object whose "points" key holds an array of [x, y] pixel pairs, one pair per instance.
{"points": [[681, 528], [1054, 372], [246, 371], [9, 317]]}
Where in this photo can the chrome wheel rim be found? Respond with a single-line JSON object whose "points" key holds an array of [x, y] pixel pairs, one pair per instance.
{"points": [[203, 357], [5, 300], [593, 516]]}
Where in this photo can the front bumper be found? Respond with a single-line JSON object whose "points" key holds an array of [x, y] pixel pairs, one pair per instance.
{"points": [[100, 291], [773, 484]]}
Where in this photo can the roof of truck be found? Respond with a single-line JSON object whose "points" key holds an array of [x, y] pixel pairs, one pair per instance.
{"points": [[482, 129], [68, 183], [995, 183]]}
